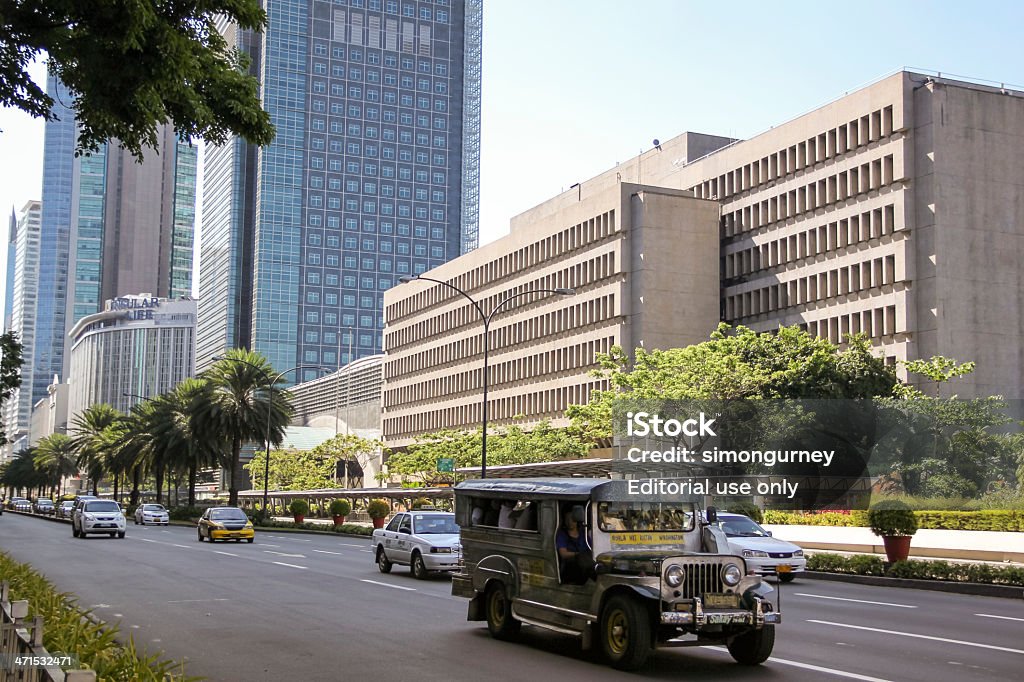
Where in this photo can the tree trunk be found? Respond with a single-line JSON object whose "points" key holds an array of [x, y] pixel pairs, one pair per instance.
{"points": [[136, 474], [236, 471], [192, 482], [159, 474]]}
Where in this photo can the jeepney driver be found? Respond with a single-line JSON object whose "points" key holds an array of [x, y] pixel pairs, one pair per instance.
{"points": [[573, 552]]}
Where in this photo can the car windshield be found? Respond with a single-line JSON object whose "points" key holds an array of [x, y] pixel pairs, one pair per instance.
{"points": [[741, 527], [228, 515], [102, 506], [615, 517], [434, 525], [67, 504], [153, 507]]}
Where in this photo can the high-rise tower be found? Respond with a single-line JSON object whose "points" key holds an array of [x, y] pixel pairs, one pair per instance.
{"points": [[373, 175]]}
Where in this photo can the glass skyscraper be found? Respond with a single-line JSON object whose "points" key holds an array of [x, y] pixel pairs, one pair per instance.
{"points": [[373, 175]]}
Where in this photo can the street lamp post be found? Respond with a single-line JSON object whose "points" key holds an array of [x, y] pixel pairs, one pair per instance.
{"points": [[270, 409], [486, 319]]}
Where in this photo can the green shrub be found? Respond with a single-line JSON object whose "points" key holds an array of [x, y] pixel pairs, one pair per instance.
{"points": [[747, 509], [891, 517], [864, 564], [340, 508], [378, 509], [298, 507], [421, 502], [185, 513]]}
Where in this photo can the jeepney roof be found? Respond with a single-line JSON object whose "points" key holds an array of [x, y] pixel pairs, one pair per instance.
{"points": [[517, 488]]}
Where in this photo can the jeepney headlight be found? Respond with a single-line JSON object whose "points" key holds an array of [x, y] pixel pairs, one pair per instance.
{"points": [[754, 553], [731, 574], [674, 575]]}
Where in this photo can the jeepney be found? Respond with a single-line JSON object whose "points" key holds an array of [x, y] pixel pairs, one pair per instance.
{"points": [[659, 573]]}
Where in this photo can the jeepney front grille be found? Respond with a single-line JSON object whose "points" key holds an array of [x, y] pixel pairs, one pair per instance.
{"points": [[702, 578]]}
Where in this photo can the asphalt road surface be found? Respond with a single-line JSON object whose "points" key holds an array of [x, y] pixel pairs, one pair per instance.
{"points": [[314, 607]]}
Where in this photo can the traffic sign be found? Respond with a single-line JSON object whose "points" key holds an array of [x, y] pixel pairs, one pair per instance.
{"points": [[446, 464]]}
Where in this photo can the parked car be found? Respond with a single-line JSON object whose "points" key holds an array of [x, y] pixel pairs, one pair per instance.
{"points": [[225, 523], [64, 509], [423, 540], [45, 506], [97, 516], [152, 513], [764, 554], [21, 504]]}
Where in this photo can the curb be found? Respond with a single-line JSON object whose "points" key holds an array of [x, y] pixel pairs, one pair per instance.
{"points": [[977, 589]]}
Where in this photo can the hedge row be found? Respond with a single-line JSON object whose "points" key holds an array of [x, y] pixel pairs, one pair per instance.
{"points": [[345, 528], [67, 630], [863, 564], [998, 519]]}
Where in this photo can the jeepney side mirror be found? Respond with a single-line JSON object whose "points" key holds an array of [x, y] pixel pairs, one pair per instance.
{"points": [[712, 514]]}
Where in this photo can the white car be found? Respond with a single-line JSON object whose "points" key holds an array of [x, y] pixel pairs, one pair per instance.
{"points": [[152, 513], [423, 540], [763, 553], [97, 516]]}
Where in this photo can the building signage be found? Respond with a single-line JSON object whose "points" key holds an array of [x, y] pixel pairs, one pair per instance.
{"points": [[137, 308]]}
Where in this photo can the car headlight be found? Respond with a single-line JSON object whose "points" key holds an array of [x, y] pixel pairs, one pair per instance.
{"points": [[754, 553], [799, 552], [440, 550], [674, 575], [216, 526], [731, 574], [248, 525]]}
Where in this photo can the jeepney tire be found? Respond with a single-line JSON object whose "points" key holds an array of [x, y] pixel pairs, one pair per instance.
{"points": [[753, 647], [786, 577], [418, 567], [383, 563], [500, 621], [625, 632]]}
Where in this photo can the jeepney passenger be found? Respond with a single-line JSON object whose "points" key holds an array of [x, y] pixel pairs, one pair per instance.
{"points": [[573, 552]]}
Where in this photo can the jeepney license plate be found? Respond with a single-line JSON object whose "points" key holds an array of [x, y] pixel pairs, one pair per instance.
{"points": [[724, 600], [725, 617]]}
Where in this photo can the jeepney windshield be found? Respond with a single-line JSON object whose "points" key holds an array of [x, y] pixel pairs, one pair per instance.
{"points": [[633, 516]]}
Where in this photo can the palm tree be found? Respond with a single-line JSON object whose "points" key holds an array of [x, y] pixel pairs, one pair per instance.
{"points": [[186, 438], [55, 455], [89, 430], [239, 409], [21, 474]]}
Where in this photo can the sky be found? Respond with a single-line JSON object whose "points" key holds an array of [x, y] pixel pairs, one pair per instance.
{"points": [[571, 87]]}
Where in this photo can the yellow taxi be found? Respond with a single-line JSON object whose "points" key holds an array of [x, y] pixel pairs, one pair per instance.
{"points": [[225, 523]]}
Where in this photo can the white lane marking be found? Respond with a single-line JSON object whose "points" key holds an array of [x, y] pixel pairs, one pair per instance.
{"points": [[182, 546], [189, 601], [916, 636], [295, 556], [100, 606], [118, 615], [816, 668], [395, 587], [368, 551], [266, 545], [217, 551], [989, 615], [281, 563], [349, 544], [135, 627], [148, 540], [859, 601], [324, 551]]}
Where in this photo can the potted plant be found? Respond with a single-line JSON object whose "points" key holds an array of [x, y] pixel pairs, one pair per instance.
{"points": [[299, 509], [896, 524], [339, 510], [378, 511]]}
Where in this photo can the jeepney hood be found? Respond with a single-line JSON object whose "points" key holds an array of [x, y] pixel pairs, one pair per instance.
{"points": [[636, 561]]}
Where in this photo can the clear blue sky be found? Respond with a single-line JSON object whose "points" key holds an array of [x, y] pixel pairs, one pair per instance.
{"points": [[570, 87]]}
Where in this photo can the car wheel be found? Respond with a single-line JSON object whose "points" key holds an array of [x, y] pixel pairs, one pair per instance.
{"points": [[238, 539], [249, 540], [786, 577], [74, 531], [500, 621], [754, 646], [383, 563], [625, 632], [121, 535], [419, 567]]}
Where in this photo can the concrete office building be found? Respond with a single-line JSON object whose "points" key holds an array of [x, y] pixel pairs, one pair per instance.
{"points": [[110, 227], [896, 211], [373, 174], [12, 252], [24, 295], [347, 399], [140, 345]]}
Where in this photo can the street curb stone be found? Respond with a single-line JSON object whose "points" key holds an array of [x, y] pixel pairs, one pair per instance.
{"points": [[978, 589]]}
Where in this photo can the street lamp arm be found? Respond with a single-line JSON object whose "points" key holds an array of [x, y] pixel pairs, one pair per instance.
{"points": [[508, 299], [476, 304]]}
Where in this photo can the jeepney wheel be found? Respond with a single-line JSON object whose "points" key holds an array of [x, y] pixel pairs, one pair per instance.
{"points": [[754, 646], [383, 563], [625, 633], [500, 620]]}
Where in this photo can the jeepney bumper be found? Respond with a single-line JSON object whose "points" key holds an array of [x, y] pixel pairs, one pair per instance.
{"points": [[699, 617]]}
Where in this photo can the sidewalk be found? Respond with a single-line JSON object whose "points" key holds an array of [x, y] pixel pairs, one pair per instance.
{"points": [[972, 545]]}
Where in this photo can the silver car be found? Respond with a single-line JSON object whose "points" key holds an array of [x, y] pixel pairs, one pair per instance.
{"points": [[65, 509], [151, 513], [764, 554], [425, 541]]}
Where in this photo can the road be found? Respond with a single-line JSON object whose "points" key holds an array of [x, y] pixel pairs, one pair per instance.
{"points": [[314, 607]]}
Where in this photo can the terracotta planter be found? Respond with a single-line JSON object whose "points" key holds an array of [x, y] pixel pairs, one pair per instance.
{"points": [[897, 547], [338, 520], [378, 523], [299, 518]]}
